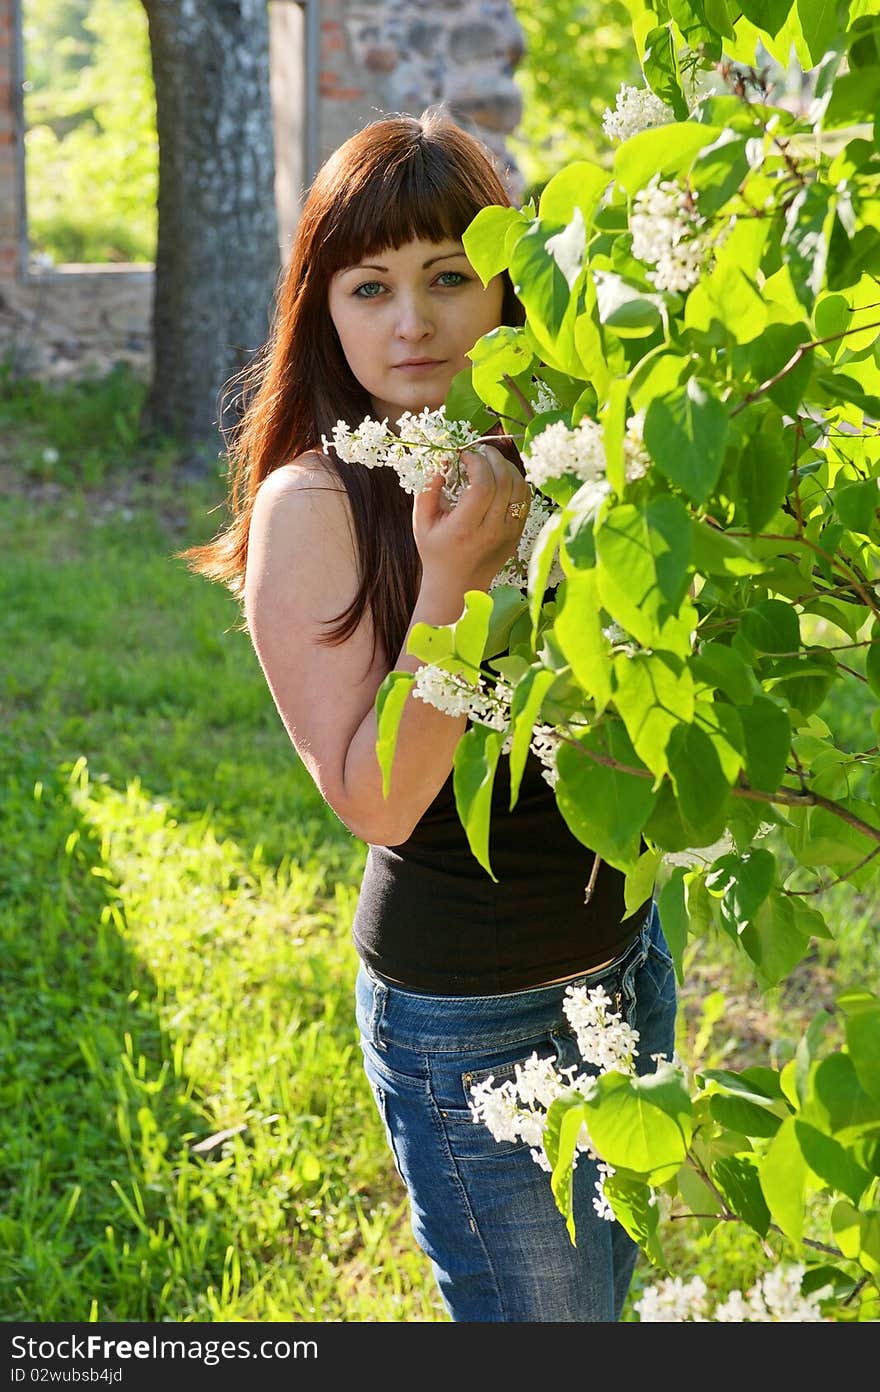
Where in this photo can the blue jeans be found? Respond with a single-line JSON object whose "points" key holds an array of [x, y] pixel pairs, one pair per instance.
{"points": [[482, 1210]]}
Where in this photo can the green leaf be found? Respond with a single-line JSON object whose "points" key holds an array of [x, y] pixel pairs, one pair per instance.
{"points": [[718, 171], [654, 694], [772, 627], [579, 184], [639, 883], [831, 1162], [805, 240], [846, 1109], [604, 807], [774, 939], [673, 916], [470, 632], [748, 1118], [579, 633], [538, 281], [565, 1117], [726, 297], [628, 310], [783, 1175], [485, 238], [744, 883], [775, 351], [736, 1177], [663, 150], [820, 26], [390, 701], [508, 605], [473, 775], [464, 404], [686, 435], [725, 670], [642, 567], [541, 560], [524, 711], [769, 15], [762, 478], [700, 786], [642, 1124], [768, 742], [637, 1211], [863, 1042], [857, 505], [661, 70]]}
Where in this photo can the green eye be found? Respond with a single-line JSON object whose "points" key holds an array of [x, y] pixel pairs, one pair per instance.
{"points": [[368, 290], [450, 278]]}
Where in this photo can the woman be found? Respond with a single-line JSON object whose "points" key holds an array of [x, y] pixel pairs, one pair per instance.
{"points": [[460, 977]]}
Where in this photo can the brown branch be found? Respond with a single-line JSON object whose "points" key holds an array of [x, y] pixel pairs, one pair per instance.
{"points": [[800, 352], [786, 797], [520, 395]]}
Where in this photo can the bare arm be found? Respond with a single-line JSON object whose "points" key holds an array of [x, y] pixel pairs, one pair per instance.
{"points": [[302, 572]]}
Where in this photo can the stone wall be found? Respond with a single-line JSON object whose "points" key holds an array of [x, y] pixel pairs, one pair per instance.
{"points": [[374, 57]]}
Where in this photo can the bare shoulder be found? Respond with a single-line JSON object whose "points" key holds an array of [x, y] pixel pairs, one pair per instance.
{"points": [[300, 496]]}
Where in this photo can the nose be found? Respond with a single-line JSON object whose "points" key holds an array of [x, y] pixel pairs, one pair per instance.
{"points": [[414, 321]]}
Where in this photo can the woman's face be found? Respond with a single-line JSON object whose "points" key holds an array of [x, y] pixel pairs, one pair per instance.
{"points": [[406, 319]]}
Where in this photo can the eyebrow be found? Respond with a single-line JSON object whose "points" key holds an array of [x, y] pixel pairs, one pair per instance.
{"points": [[372, 266]]}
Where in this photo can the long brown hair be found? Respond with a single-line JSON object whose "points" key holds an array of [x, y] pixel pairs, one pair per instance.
{"points": [[399, 178]]}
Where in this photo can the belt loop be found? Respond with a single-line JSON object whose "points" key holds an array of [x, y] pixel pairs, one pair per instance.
{"points": [[380, 996]]}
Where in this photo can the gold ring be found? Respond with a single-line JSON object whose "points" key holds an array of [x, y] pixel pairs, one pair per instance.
{"points": [[517, 509]]}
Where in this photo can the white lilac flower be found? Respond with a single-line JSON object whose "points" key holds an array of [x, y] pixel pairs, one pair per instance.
{"points": [[545, 398], [636, 458], [604, 1039], [452, 694], [517, 1108], [775, 1298], [544, 745], [669, 234], [559, 449], [672, 1301], [635, 109], [422, 446]]}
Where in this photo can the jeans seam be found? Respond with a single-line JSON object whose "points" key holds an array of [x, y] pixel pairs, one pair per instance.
{"points": [[459, 1183]]}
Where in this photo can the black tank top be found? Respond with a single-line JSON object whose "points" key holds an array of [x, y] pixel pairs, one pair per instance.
{"points": [[429, 917]]}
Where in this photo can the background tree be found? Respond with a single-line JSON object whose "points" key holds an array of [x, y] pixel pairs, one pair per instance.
{"points": [[217, 255], [577, 55]]}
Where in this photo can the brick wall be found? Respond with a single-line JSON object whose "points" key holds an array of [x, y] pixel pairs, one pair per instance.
{"points": [[375, 57]]}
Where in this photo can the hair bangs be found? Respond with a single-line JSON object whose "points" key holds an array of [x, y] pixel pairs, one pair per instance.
{"points": [[421, 192]]}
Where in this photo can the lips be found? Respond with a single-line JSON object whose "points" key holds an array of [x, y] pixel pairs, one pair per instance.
{"points": [[420, 362]]}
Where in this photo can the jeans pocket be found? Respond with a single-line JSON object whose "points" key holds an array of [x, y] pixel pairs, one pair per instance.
{"points": [[469, 1137]]}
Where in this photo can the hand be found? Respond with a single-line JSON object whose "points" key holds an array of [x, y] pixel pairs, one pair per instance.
{"points": [[468, 545]]}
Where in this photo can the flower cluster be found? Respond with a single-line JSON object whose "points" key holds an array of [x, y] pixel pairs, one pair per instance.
{"points": [[516, 1109], [775, 1298], [669, 234], [635, 109], [427, 443], [580, 450], [455, 695]]}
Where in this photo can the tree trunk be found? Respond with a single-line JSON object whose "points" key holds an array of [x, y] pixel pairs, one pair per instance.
{"points": [[217, 257]]}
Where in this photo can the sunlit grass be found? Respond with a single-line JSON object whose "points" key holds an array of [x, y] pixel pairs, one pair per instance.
{"points": [[185, 1127]]}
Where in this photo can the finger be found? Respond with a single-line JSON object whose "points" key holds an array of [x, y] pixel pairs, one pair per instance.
{"points": [[479, 492], [428, 504]]}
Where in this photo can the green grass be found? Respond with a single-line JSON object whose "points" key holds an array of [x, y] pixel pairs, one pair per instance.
{"points": [[185, 1129]]}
